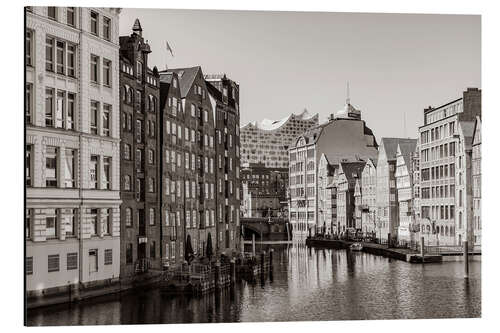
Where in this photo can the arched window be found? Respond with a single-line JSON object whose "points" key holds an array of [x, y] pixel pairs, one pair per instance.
{"points": [[442, 231], [428, 228], [446, 231], [122, 94], [128, 217]]}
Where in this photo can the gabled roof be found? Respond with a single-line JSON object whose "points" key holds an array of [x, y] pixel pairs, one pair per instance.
{"points": [[391, 146], [352, 170], [407, 148], [186, 77], [476, 139], [468, 131]]}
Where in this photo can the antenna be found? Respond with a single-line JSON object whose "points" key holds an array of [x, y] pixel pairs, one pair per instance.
{"points": [[348, 99]]}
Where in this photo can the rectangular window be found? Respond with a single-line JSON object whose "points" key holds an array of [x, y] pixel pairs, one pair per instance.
{"points": [[49, 54], [108, 256], [60, 57], [49, 107], [94, 68], [60, 108], [94, 23], [94, 109], [106, 28], [93, 262], [69, 222], [93, 168], [106, 173], [152, 250], [152, 216], [29, 48], [106, 113], [53, 263], [28, 221], [52, 13], [106, 72], [70, 112], [129, 253], [51, 224], [71, 54], [93, 222], [29, 102], [29, 265], [29, 167], [69, 168], [70, 16], [50, 166], [71, 261]]}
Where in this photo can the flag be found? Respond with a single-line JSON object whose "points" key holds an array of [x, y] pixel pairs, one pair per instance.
{"points": [[170, 49]]}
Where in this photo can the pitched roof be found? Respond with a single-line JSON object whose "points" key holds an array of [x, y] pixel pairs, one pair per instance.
{"points": [[407, 149], [137, 25], [352, 169], [468, 131], [391, 146], [186, 77]]}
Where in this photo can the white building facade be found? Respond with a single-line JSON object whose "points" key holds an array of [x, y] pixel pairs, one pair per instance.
{"points": [[72, 148]]}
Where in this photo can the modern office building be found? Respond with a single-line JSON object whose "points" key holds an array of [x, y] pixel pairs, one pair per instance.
{"points": [[344, 138], [72, 150], [268, 141], [445, 152], [139, 158]]}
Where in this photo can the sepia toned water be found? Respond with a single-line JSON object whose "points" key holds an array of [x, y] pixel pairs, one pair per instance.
{"points": [[306, 284]]}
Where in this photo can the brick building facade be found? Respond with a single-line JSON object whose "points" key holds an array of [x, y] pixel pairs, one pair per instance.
{"points": [[139, 158]]}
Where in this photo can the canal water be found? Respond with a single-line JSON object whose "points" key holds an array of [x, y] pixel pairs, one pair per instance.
{"points": [[306, 284]]}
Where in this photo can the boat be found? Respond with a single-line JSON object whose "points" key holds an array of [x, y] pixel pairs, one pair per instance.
{"points": [[356, 247]]}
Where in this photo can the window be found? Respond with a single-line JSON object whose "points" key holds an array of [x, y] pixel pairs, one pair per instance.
{"points": [[94, 109], [71, 261], [53, 263], [126, 152], [28, 222], [29, 47], [152, 250], [106, 112], [106, 28], [138, 159], [108, 256], [151, 216], [60, 108], [106, 72], [29, 102], [52, 13], [151, 184], [50, 166], [126, 183], [29, 167], [151, 156], [49, 54], [94, 23], [93, 167], [139, 69], [69, 168], [128, 217], [93, 222], [70, 112], [129, 253], [70, 16], [138, 130], [60, 58], [69, 222], [107, 173], [193, 110], [29, 265], [93, 262], [94, 68], [49, 107], [50, 224]]}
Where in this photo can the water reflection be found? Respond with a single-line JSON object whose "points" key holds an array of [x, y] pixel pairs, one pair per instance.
{"points": [[304, 284]]}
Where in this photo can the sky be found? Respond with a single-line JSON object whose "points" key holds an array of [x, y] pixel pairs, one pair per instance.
{"points": [[396, 64]]}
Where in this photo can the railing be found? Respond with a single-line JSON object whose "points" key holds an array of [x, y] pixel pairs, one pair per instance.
{"points": [[458, 249]]}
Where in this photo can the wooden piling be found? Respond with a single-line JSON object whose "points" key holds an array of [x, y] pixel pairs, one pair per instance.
{"points": [[466, 259], [422, 248], [253, 245]]}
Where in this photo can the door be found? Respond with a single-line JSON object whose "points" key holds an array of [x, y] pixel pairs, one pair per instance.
{"points": [[92, 261]]}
